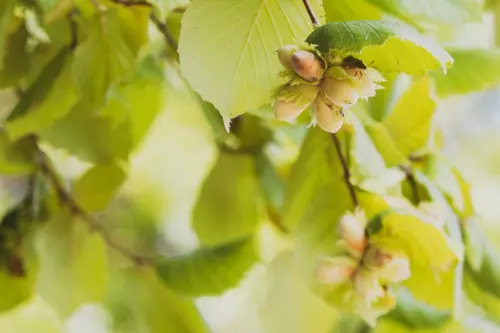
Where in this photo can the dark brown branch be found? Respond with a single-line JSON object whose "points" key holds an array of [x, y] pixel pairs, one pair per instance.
{"points": [[411, 180], [66, 200], [345, 167], [310, 11]]}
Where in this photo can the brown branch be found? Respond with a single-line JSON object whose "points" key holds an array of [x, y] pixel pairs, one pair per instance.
{"points": [[163, 29], [133, 3], [66, 200], [345, 167], [310, 11], [412, 181]]}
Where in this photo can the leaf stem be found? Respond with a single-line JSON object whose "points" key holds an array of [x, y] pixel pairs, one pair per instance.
{"points": [[345, 167], [310, 11], [65, 199], [411, 180]]}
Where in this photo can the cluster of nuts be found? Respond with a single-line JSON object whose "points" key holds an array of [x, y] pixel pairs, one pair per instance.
{"points": [[367, 268], [327, 85]]}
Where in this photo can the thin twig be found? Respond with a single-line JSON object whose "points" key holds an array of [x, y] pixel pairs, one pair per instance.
{"points": [[345, 167], [133, 3], [162, 28], [411, 180], [66, 200], [160, 25], [310, 11]]}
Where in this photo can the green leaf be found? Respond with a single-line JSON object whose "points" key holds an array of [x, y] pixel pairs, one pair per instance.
{"points": [[136, 101], [58, 100], [417, 315], [73, 260], [350, 10], [429, 11], [317, 168], [139, 302], [41, 86], [95, 189], [483, 263], [369, 171], [423, 242], [226, 208], [15, 289], [409, 123], [272, 186], [108, 53], [247, 34], [16, 157], [372, 41], [472, 71], [208, 271], [16, 60], [289, 305], [6, 10], [88, 136], [385, 144]]}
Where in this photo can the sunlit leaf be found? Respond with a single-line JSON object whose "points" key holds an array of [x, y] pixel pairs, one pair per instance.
{"points": [[385, 144], [71, 259], [421, 240], [108, 52], [473, 70], [139, 302], [372, 41], [95, 189], [409, 123], [6, 9], [208, 271], [237, 49], [226, 208], [289, 305]]}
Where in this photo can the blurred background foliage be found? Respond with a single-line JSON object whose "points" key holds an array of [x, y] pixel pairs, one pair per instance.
{"points": [[153, 210]]}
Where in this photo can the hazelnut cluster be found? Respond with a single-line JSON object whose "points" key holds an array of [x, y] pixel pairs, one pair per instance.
{"points": [[369, 269], [327, 85]]}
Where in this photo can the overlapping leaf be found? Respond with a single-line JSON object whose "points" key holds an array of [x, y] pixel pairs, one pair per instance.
{"points": [[234, 44], [473, 70], [373, 41]]}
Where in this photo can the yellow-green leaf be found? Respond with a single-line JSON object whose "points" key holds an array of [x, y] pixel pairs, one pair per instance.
{"points": [[226, 209], [422, 241], [473, 70], [73, 260], [409, 123], [234, 44], [95, 189]]}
